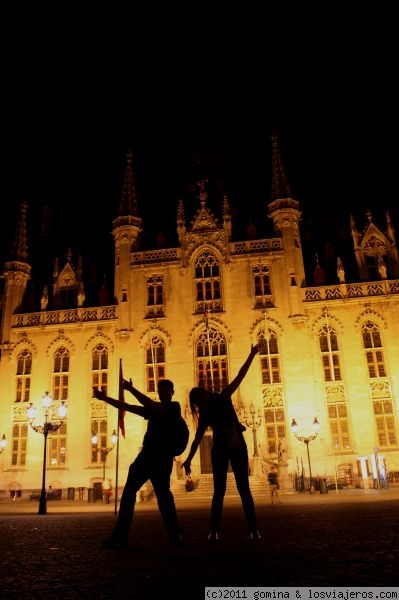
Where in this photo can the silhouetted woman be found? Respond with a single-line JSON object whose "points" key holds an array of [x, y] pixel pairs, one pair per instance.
{"points": [[216, 410]]}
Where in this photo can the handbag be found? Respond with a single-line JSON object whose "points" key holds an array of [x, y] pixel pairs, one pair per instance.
{"points": [[189, 483]]}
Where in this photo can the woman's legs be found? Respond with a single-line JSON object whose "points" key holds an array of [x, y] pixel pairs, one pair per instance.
{"points": [[239, 463], [220, 463]]}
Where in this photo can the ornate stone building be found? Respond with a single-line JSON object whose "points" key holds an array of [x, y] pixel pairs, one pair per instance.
{"points": [[190, 313]]}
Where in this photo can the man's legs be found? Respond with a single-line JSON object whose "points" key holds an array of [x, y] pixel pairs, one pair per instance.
{"points": [[160, 473], [137, 476]]}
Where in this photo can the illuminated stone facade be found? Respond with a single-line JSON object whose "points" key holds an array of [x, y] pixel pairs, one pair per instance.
{"points": [[190, 314]]}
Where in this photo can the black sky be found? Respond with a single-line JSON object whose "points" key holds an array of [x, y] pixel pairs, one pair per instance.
{"points": [[74, 99]]}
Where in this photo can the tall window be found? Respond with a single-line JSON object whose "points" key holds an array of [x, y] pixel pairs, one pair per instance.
{"points": [[98, 416], [336, 401], [374, 350], [57, 440], [339, 427], [261, 284], [207, 283], [383, 407], [99, 426], [155, 296], [61, 374], [272, 392], [155, 362], [384, 418], [211, 360], [269, 358], [24, 366], [99, 367], [57, 447], [19, 444], [329, 353], [275, 428]]}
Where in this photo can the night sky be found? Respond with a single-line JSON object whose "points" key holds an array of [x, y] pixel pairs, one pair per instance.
{"points": [[73, 104]]}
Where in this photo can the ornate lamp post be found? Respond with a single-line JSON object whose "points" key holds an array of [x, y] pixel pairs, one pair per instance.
{"points": [[47, 427], [3, 443], [306, 439], [253, 420], [104, 451]]}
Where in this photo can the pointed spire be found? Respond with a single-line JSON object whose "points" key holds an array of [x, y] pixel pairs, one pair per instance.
{"points": [[340, 270], [390, 228], [181, 222], [226, 208], [128, 203], [44, 298], [382, 269], [280, 184], [319, 277], [227, 217], [20, 246], [203, 194], [180, 213]]}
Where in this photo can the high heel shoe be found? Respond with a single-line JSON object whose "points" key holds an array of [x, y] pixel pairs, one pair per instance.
{"points": [[255, 535], [213, 535]]}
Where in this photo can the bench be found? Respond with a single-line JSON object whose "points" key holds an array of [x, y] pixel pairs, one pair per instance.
{"points": [[53, 495]]}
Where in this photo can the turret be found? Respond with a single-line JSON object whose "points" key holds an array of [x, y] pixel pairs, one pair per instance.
{"points": [[16, 275], [126, 231], [285, 213]]}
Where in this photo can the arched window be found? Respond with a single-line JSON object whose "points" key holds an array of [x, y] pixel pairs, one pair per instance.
{"points": [[58, 440], [269, 357], [336, 401], [271, 379], [211, 360], [155, 362], [98, 414], [329, 353], [155, 296], [207, 283], [374, 350], [99, 367], [382, 401], [61, 374], [23, 379], [261, 285]]}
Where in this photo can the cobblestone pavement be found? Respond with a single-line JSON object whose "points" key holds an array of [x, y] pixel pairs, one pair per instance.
{"points": [[348, 539]]}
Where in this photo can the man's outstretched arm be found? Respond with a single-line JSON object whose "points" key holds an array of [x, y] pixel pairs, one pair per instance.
{"points": [[142, 398], [137, 410]]}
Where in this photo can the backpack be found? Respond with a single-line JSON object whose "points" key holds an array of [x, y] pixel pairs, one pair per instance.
{"points": [[180, 437]]}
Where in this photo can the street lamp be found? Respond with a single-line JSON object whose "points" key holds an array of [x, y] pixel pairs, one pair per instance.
{"points": [[47, 427], [3, 443], [253, 421], [306, 439], [104, 451]]}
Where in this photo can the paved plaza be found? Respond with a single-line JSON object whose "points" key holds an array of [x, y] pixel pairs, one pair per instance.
{"points": [[349, 538]]}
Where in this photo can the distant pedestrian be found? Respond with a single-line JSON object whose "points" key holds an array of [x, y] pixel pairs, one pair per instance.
{"points": [[274, 485], [154, 461], [107, 491], [228, 444]]}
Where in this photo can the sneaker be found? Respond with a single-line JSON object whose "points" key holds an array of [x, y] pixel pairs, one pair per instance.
{"points": [[255, 535], [114, 542], [213, 535]]}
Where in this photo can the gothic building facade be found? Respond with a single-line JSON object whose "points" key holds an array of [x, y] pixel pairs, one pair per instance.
{"points": [[189, 313]]}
